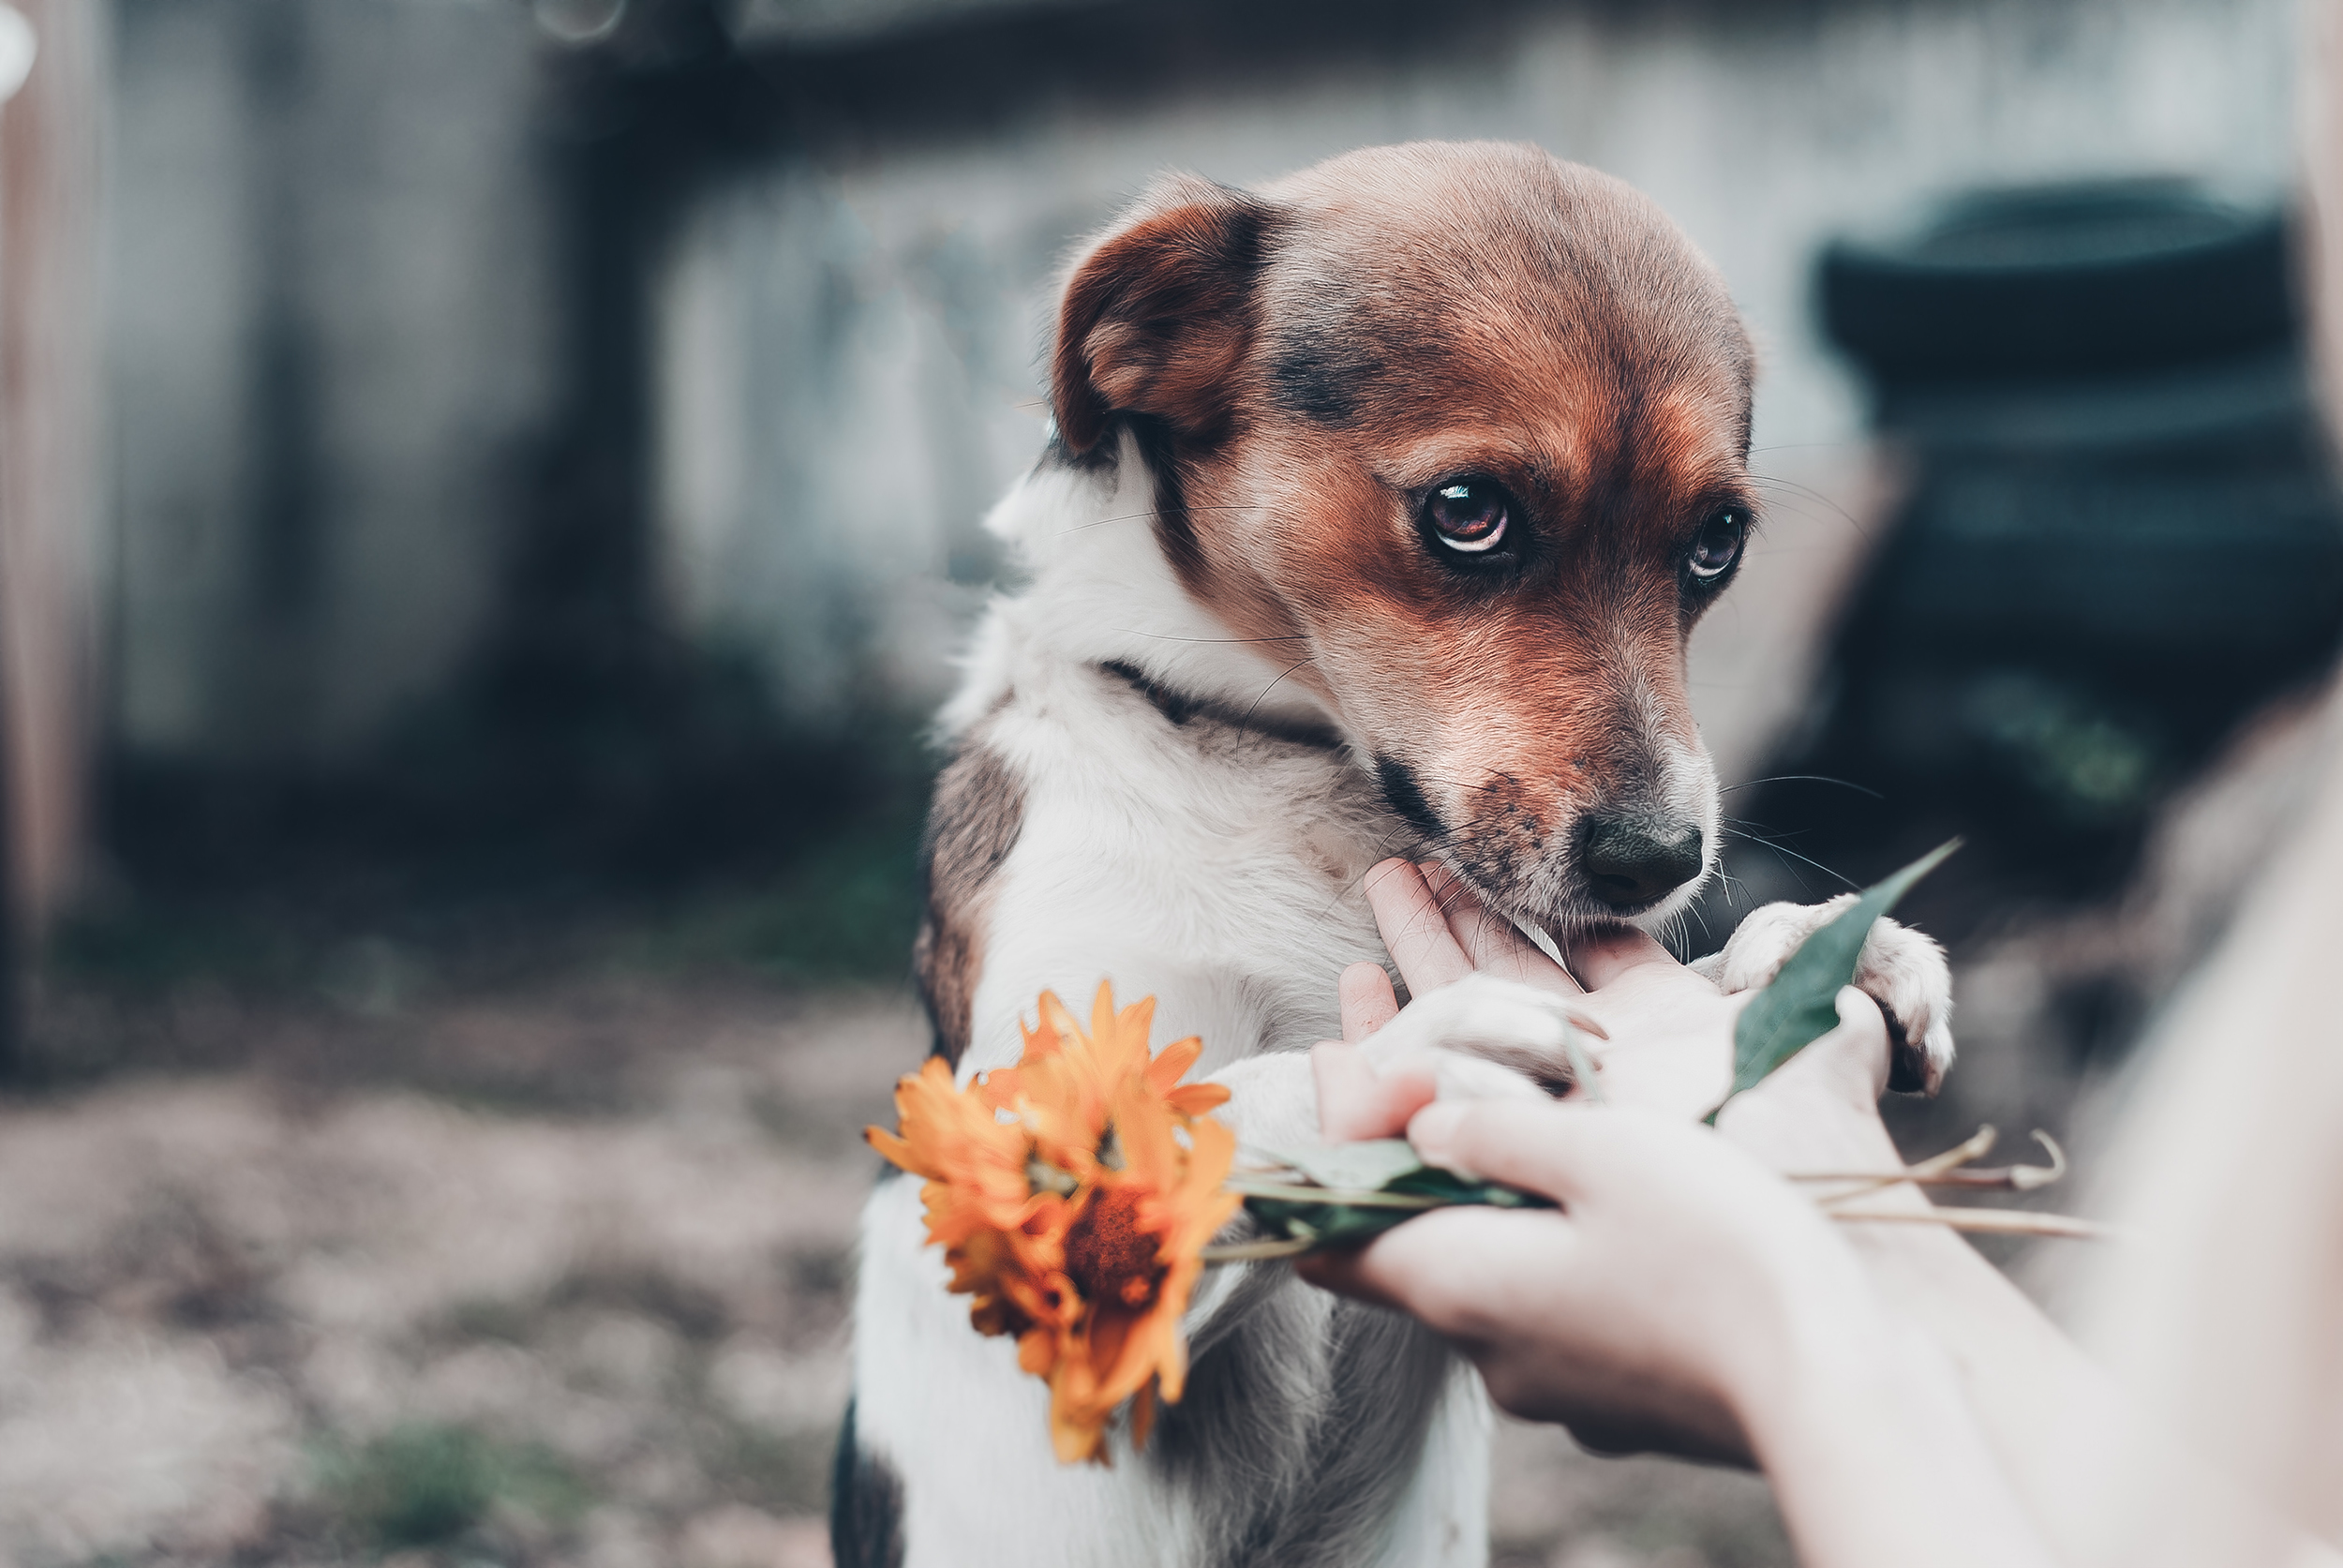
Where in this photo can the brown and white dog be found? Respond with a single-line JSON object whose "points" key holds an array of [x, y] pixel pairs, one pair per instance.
{"points": [[1381, 503]]}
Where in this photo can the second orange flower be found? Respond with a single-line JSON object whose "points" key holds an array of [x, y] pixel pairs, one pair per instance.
{"points": [[1073, 1195]]}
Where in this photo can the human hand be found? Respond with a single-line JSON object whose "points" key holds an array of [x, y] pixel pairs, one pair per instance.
{"points": [[1654, 1310], [1670, 1033], [1669, 1044], [1682, 1299], [1819, 1111]]}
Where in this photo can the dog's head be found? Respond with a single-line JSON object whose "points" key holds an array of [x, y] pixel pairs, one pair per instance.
{"points": [[1466, 427]]}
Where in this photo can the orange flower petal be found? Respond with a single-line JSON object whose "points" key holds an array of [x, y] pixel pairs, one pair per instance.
{"points": [[1172, 1062], [1092, 1283], [1196, 1099]]}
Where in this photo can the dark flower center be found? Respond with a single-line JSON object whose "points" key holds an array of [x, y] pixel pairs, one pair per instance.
{"points": [[1109, 1256]]}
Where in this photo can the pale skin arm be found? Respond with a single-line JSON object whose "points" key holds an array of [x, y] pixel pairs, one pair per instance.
{"points": [[2058, 1432], [1685, 1298], [2084, 1458]]}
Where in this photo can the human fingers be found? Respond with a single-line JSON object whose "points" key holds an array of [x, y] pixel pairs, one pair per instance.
{"points": [[1356, 1101], [1609, 953], [1819, 1111], [1559, 1333], [1537, 1148], [1849, 1063], [1434, 1265], [1368, 1002], [1493, 944], [1855, 1058], [1361, 1094], [1415, 933]]}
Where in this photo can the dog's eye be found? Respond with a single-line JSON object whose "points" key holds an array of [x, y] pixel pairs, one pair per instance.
{"points": [[1718, 545], [1471, 516]]}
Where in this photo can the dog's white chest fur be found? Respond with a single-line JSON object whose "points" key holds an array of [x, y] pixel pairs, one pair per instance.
{"points": [[1212, 859]]}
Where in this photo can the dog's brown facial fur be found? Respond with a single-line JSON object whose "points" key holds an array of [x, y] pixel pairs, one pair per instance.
{"points": [[1301, 367]]}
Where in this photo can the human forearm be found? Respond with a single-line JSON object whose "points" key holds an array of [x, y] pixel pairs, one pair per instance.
{"points": [[2081, 1458], [1875, 1456], [2101, 1480]]}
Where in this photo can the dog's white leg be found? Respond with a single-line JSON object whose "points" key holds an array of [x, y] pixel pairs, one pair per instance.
{"points": [[1443, 1519], [1901, 969], [947, 1415], [1273, 1101]]}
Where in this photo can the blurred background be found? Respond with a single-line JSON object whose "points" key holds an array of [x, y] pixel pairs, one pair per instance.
{"points": [[489, 492]]}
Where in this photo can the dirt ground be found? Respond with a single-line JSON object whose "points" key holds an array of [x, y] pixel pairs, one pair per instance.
{"points": [[553, 1277]]}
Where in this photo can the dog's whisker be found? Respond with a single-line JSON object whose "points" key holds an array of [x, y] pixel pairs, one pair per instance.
{"points": [[1166, 636], [1807, 491], [1245, 722], [1803, 778], [1784, 849], [1147, 517]]}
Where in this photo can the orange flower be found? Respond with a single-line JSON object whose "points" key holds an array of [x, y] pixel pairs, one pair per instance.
{"points": [[1003, 1240], [1073, 1195]]}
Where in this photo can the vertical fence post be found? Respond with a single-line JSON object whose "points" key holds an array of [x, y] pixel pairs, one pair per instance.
{"points": [[52, 80]]}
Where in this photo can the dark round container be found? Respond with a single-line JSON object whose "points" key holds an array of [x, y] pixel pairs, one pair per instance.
{"points": [[2064, 280], [2120, 536]]}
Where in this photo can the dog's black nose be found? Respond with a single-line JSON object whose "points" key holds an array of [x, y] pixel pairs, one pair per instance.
{"points": [[1632, 863]]}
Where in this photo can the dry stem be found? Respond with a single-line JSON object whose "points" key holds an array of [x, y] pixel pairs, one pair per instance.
{"points": [[1937, 1173], [2013, 1223]]}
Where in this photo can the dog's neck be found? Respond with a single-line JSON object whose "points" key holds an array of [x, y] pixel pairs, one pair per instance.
{"points": [[1103, 594]]}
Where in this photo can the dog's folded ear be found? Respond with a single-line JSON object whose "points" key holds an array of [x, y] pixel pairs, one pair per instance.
{"points": [[1159, 313]]}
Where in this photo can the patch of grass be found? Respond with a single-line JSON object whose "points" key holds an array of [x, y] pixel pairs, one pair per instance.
{"points": [[424, 1484], [845, 911]]}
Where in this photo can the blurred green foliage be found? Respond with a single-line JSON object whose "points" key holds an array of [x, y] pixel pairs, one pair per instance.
{"points": [[824, 889], [424, 1484], [845, 912]]}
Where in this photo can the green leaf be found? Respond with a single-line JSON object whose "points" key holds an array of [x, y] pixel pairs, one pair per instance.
{"points": [[1363, 1165], [1335, 1223], [1798, 1007]]}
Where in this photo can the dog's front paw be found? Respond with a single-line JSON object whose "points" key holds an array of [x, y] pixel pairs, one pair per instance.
{"points": [[1273, 1099], [1902, 970], [1488, 1024]]}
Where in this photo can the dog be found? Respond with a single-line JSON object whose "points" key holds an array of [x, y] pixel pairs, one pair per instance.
{"points": [[1379, 504]]}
